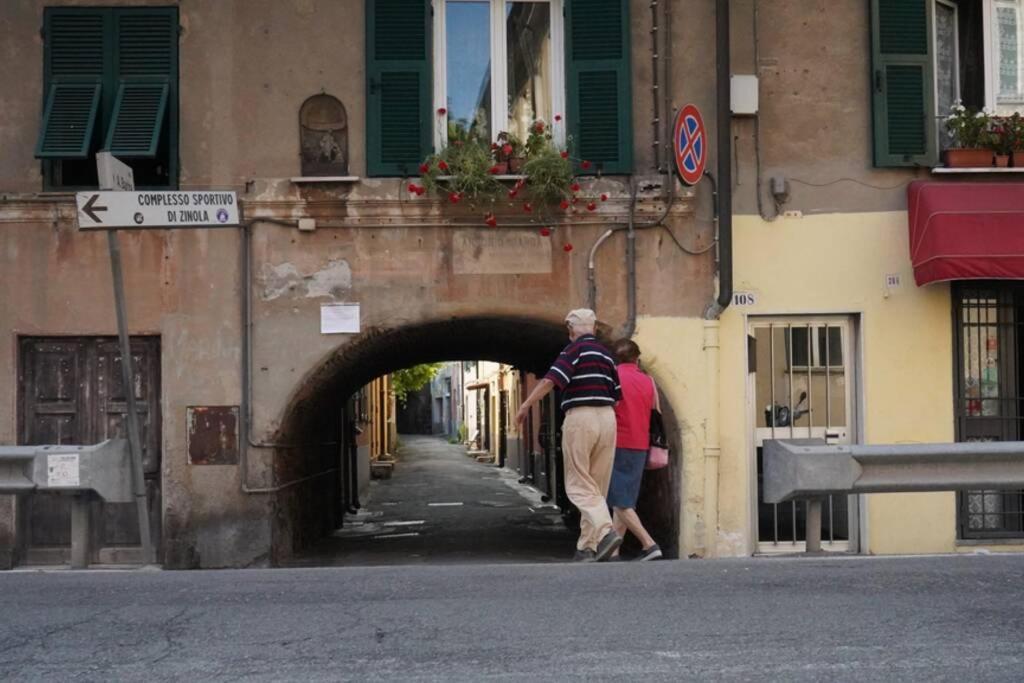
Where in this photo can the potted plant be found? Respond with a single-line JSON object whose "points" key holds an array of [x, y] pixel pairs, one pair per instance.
{"points": [[464, 170], [508, 153], [971, 137], [1014, 126], [1003, 140]]}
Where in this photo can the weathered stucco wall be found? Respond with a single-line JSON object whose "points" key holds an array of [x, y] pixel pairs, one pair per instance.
{"points": [[245, 67]]}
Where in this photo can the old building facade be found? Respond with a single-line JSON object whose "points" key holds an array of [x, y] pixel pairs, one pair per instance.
{"points": [[317, 114]]}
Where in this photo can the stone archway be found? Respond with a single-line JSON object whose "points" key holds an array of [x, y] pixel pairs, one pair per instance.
{"points": [[311, 421]]}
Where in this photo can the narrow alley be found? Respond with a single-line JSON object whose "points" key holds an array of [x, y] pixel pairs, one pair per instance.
{"points": [[441, 506]]}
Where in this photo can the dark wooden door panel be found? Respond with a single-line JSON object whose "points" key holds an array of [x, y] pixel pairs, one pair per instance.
{"points": [[71, 391]]}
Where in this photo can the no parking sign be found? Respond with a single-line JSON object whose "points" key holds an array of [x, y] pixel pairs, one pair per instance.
{"points": [[690, 144]]}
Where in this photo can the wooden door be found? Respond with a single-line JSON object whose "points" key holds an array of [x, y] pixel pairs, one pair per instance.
{"points": [[71, 391]]}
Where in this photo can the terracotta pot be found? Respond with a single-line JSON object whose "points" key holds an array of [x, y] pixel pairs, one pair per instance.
{"points": [[1002, 160], [1017, 160], [502, 167], [515, 164], [968, 158]]}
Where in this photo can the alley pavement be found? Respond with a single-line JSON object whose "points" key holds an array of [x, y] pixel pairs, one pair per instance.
{"points": [[442, 506], [834, 619]]}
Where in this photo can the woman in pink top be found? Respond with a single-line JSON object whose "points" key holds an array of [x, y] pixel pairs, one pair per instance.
{"points": [[633, 440]]}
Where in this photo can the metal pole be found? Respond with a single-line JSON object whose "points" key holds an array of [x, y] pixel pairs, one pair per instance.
{"points": [[80, 531], [132, 418], [813, 531]]}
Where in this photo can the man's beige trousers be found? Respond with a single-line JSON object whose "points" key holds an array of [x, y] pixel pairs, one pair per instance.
{"points": [[588, 450]]}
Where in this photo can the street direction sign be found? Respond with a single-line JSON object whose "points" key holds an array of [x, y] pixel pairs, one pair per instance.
{"points": [[690, 144], [161, 210], [114, 174]]}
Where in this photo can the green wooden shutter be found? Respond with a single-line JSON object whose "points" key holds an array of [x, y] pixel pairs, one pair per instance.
{"points": [[76, 59], [146, 65], [903, 84], [600, 105], [138, 119], [68, 121], [398, 86]]}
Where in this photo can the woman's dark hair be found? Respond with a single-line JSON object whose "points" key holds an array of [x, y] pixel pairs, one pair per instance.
{"points": [[626, 351]]}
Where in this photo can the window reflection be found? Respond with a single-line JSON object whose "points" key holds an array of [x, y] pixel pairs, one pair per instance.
{"points": [[528, 41], [468, 70]]}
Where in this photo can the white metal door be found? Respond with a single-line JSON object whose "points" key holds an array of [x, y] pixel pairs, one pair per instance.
{"points": [[802, 386]]}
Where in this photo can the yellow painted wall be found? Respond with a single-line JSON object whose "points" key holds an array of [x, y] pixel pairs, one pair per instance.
{"points": [[671, 351], [838, 264]]}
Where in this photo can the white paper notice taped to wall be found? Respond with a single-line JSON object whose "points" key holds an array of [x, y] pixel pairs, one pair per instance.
{"points": [[62, 470], [339, 319]]}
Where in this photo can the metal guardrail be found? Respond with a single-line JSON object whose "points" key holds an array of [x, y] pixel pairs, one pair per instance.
{"points": [[102, 470], [808, 469]]}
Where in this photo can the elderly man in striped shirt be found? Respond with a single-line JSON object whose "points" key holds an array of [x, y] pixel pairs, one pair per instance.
{"points": [[585, 374]]}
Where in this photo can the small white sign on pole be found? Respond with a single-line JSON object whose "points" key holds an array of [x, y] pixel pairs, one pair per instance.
{"points": [[339, 319], [62, 470], [113, 173]]}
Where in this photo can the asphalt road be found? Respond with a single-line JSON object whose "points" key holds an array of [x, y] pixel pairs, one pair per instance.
{"points": [[941, 618], [441, 506]]}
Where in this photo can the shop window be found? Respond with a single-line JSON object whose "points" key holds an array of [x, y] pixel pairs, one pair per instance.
{"points": [[989, 361]]}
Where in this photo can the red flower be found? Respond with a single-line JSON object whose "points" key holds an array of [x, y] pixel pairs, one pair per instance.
{"points": [[544, 232], [424, 169], [584, 164], [412, 188], [520, 183], [494, 145], [539, 126], [507, 149], [575, 187], [454, 197], [604, 197], [567, 247], [494, 170], [442, 111], [591, 206], [565, 155], [491, 220], [564, 204], [527, 207], [416, 189], [442, 165], [512, 194], [558, 117]]}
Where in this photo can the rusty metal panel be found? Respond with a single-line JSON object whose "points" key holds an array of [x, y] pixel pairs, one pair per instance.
{"points": [[212, 435]]}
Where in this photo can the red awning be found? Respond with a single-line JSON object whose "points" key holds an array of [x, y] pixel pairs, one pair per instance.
{"points": [[966, 231]]}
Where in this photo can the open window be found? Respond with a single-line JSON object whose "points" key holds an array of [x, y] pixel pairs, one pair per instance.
{"points": [[927, 54], [111, 82]]}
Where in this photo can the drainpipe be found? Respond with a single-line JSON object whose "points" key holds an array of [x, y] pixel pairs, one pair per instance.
{"points": [[712, 443]]}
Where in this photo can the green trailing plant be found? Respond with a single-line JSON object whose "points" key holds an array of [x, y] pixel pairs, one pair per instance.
{"points": [[461, 171], [409, 380], [468, 169]]}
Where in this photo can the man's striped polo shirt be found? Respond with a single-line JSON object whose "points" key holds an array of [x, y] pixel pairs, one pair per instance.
{"points": [[585, 374]]}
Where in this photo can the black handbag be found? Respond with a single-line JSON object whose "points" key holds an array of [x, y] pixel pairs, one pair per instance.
{"points": [[657, 454]]}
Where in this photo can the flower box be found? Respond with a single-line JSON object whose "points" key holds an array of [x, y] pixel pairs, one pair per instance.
{"points": [[968, 158]]}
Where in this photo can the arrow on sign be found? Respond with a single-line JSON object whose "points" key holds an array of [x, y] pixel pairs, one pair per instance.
{"points": [[90, 210]]}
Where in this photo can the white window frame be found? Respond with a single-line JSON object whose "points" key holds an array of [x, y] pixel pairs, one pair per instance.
{"points": [[499, 81], [956, 51], [991, 75]]}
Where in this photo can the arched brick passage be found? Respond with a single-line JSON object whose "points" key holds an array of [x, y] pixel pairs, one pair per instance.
{"points": [[312, 423]]}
